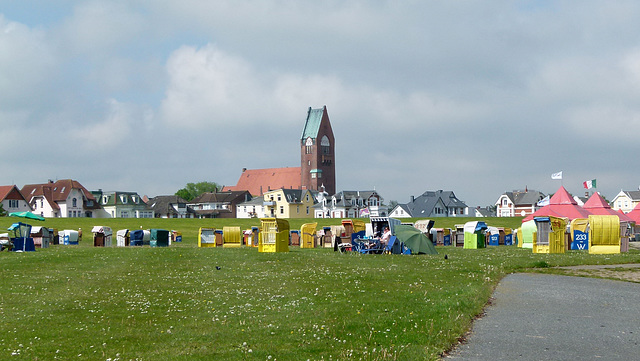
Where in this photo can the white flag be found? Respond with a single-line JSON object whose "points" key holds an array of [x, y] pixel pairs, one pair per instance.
{"points": [[556, 175], [543, 202]]}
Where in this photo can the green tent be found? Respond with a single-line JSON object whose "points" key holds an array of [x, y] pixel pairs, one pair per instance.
{"points": [[27, 215], [416, 241]]}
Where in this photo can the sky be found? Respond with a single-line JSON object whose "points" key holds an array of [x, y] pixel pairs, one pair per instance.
{"points": [[470, 96]]}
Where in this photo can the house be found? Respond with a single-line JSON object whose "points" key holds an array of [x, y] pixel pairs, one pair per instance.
{"points": [[519, 203], [117, 204], [170, 207], [350, 204], [484, 212], [625, 201], [62, 198], [289, 203], [317, 162], [253, 208], [12, 200], [218, 204], [431, 204]]}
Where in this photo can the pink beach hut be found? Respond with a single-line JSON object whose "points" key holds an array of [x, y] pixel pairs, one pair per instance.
{"points": [[560, 205], [598, 206]]}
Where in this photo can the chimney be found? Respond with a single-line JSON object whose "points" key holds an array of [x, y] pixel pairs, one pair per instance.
{"points": [[244, 170], [413, 199]]}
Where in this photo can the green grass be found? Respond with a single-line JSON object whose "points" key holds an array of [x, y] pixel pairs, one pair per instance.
{"points": [[80, 302]]}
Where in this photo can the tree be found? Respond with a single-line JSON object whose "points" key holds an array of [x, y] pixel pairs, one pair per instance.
{"points": [[392, 204], [193, 190], [2, 211]]}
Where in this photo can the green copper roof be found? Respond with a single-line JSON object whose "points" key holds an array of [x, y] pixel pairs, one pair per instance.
{"points": [[311, 127]]}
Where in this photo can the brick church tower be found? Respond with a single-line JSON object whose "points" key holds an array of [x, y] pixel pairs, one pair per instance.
{"points": [[317, 152]]}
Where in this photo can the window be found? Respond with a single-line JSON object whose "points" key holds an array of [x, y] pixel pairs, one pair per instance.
{"points": [[123, 199], [308, 146], [307, 197], [307, 210], [325, 145], [105, 199], [74, 202], [281, 210], [279, 197], [313, 175], [13, 203]]}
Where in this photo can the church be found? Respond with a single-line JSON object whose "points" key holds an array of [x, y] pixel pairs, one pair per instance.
{"points": [[317, 162]]}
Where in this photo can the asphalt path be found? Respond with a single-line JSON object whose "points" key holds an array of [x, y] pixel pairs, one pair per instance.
{"points": [[554, 318]]}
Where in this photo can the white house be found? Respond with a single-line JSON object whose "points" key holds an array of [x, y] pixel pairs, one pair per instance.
{"points": [[64, 198], [626, 201], [12, 199]]}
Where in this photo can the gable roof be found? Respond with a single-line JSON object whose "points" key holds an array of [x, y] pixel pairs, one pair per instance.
{"points": [[295, 195], [524, 197], [162, 204], [633, 195], [312, 125], [11, 191], [259, 181], [58, 191], [424, 204], [221, 197]]}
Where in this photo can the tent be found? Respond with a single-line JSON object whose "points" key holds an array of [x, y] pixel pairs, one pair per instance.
{"points": [[598, 206], [414, 239], [634, 215], [560, 205]]}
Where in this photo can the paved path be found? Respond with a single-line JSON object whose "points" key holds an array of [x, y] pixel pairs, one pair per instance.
{"points": [[554, 318]]}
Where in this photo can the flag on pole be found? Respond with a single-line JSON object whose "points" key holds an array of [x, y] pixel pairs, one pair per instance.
{"points": [[589, 184], [557, 175]]}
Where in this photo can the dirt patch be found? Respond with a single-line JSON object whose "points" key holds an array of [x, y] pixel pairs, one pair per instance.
{"points": [[622, 272]]}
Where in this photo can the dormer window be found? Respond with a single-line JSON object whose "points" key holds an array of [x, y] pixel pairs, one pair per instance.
{"points": [[105, 199], [123, 199]]}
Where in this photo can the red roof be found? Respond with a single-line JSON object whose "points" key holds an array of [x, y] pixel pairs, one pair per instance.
{"points": [[259, 181], [55, 192], [597, 205], [635, 214], [560, 205]]}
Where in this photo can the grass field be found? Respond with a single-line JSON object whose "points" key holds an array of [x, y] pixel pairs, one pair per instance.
{"points": [[189, 303]]}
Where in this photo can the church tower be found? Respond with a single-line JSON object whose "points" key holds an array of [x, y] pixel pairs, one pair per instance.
{"points": [[317, 152]]}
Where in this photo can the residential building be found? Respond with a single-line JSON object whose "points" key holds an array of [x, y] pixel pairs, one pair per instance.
{"points": [[626, 201], [218, 204], [12, 200], [289, 203], [351, 204], [118, 204], [484, 212], [519, 203], [253, 208], [63, 198], [170, 207], [431, 204]]}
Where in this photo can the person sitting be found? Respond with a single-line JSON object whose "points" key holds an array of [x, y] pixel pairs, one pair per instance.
{"points": [[386, 235]]}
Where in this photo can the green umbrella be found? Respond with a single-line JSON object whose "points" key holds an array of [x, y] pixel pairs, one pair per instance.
{"points": [[415, 240], [27, 215]]}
